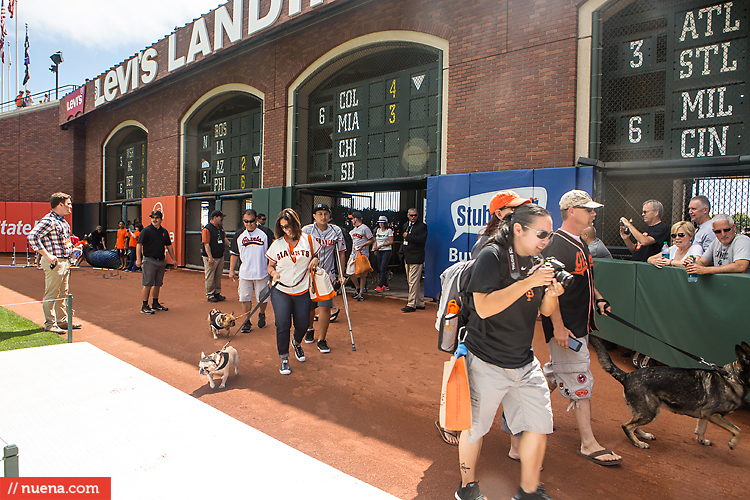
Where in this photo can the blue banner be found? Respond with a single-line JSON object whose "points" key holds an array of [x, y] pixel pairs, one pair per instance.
{"points": [[458, 208]]}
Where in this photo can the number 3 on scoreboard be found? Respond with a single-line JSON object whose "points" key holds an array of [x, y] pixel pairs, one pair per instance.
{"points": [[391, 113]]}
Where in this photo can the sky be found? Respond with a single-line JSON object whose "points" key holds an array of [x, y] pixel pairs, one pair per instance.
{"points": [[93, 36]]}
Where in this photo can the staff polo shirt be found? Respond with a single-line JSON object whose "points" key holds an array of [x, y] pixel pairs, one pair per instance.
{"points": [[503, 339], [292, 262], [154, 242]]}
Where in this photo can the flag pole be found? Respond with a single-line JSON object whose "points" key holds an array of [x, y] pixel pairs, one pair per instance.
{"points": [[15, 15]]}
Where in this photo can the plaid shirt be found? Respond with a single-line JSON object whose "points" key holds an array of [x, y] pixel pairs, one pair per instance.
{"points": [[52, 233]]}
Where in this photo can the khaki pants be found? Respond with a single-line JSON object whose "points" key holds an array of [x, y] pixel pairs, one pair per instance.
{"points": [[414, 278], [213, 275], [55, 287]]}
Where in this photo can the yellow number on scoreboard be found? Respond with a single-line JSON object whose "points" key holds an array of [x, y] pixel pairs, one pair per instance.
{"points": [[393, 89], [242, 166], [242, 178], [392, 113]]}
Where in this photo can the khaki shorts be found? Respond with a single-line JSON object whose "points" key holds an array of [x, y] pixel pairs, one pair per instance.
{"points": [[570, 371], [153, 272], [251, 288], [522, 391]]}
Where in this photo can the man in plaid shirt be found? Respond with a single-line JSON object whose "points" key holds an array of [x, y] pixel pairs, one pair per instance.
{"points": [[51, 238]]}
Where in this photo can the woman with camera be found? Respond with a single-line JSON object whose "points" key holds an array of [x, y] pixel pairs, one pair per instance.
{"points": [[682, 247], [507, 290]]}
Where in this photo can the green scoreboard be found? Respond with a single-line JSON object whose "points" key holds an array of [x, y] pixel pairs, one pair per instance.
{"points": [[384, 127], [130, 171], [674, 81]]}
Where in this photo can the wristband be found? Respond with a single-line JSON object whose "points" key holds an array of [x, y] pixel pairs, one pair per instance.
{"points": [[598, 301]]}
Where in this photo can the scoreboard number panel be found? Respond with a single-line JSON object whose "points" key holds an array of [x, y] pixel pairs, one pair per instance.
{"points": [[359, 131], [130, 171], [691, 59]]}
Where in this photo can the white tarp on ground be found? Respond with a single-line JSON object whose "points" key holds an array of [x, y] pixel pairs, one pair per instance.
{"points": [[75, 411]]}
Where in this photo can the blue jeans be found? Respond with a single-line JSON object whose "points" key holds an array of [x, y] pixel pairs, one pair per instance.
{"points": [[384, 257], [285, 308]]}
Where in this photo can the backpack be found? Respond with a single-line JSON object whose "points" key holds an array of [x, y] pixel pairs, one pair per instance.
{"points": [[454, 282]]}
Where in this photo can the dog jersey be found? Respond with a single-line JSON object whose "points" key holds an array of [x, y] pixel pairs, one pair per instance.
{"points": [[331, 238], [577, 303], [213, 317], [252, 248], [292, 262]]}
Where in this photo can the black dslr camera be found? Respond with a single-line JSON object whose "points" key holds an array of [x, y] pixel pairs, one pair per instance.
{"points": [[561, 275]]}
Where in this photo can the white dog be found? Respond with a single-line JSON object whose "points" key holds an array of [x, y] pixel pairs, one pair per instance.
{"points": [[219, 363]]}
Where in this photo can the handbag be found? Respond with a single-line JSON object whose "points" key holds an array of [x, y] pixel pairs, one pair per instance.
{"points": [[455, 399], [362, 264], [321, 286]]}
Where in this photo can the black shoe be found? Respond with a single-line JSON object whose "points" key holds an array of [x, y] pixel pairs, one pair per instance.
{"points": [[219, 297], [408, 309], [247, 327], [285, 370], [360, 297], [212, 298], [147, 310], [310, 336], [539, 494], [420, 307], [261, 320], [323, 346], [159, 307], [469, 492], [298, 352]]}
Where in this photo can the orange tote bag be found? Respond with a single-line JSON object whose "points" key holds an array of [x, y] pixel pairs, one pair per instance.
{"points": [[455, 400]]}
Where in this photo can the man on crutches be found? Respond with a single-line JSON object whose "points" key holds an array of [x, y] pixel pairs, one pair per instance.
{"points": [[331, 255]]}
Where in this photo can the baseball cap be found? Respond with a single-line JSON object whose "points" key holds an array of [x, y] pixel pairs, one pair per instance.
{"points": [[577, 198], [156, 213], [506, 198], [321, 206], [357, 215], [383, 219], [217, 213]]}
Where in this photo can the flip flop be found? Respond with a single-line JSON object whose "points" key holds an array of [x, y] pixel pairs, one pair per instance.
{"points": [[541, 469], [335, 314], [444, 433], [593, 457]]}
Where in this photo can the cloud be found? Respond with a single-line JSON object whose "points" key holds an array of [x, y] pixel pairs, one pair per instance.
{"points": [[106, 25]]}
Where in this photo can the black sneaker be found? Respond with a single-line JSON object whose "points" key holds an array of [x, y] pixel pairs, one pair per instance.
{"points": [[219, 297], [212, 298], [360, 297], [159, 307], [323, 346], [298, 352], [539, 494], [310, 336], [146, 310], [261, 320], [247, 327], [469, 492], [285, 370]]}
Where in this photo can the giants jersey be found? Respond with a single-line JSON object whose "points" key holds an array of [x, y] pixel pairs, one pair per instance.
{"points": [[329, 239], [292, 263], [577, 303], [252, 249]]}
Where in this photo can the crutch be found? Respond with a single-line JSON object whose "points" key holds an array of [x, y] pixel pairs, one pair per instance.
{"points": [[337, 258]]}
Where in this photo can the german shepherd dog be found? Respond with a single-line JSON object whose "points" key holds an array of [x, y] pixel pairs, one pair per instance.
{"points": [[707, 395]]}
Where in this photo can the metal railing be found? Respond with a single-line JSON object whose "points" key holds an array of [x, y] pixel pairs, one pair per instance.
{"points": [[39, 97]]}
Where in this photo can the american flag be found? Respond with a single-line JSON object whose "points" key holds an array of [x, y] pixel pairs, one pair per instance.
{"points": [[11, 7], [2, 30], [26, 60]]}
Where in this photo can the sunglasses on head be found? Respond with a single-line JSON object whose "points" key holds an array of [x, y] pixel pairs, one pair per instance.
{"points": [[539, 234], [725, 230], [681, 235], [248, 221]]}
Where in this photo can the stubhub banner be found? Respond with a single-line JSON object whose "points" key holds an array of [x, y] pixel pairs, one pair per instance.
{"points": [[458, 208]]}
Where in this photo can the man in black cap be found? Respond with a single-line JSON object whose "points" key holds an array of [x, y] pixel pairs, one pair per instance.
{"points": [[213, 238], [149, 255]]}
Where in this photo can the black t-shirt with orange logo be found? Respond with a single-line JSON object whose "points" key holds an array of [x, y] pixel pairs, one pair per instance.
{"points": [[504, 339], [577, 303]]}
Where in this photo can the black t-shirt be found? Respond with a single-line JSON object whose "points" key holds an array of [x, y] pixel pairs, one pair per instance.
{"points": [[577, 303], [96, 239], [659, 232], [504, 339], [154, 241]]}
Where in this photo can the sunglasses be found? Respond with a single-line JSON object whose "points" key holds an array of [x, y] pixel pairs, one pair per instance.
{"points": [[411, 215], [589, 210], [681, 235], [725, 230], [284, 226], [539, 234], [248, 221]]}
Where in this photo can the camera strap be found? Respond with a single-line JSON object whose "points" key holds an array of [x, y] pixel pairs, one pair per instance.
{"points": [[514, 266]]}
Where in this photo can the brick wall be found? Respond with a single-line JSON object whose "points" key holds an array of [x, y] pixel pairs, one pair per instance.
{"points": [[511, 102], [38, 158]]}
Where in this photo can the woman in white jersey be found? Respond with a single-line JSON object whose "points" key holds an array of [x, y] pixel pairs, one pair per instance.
{"points": [[382, 245], [290, 258]]}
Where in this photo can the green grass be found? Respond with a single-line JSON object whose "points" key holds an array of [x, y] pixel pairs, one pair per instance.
{"points": [[17, 332]]}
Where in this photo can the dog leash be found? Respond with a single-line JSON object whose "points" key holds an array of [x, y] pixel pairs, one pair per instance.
{"points": [[712, 366]]}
